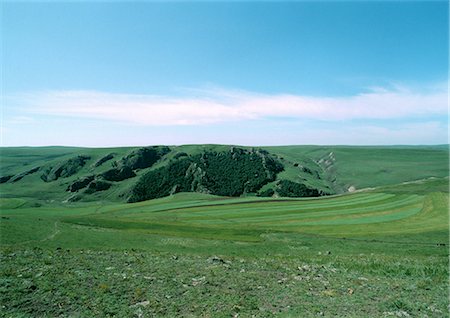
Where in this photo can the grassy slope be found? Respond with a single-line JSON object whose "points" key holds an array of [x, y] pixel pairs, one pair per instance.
{"points": [[359, 167], [364, 167], [375, 253], [277, 257]]}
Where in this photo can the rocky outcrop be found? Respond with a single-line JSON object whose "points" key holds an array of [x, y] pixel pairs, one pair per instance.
{"points": [[65, 169], [97, 185], [80, 184], [23, 174], [102, 160]]}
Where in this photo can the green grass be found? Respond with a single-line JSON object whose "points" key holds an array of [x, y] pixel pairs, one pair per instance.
{"points": [[373, 166], [360, 167], [375, 253]]}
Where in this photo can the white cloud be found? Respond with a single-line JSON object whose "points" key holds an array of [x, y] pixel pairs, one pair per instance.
{"points": [[216, 106]]}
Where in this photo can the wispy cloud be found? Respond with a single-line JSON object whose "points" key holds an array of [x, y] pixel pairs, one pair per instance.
{"points": [[221, 105]]}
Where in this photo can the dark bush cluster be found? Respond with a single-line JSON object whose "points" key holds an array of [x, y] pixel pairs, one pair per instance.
{"points": [[179, 155], [233, 173], [266, 193], [118, 174], [80, 184], [143, 157], [123, 169], [97, 185], [287, 188], [159, 183], [229, 173], [65, 169]]}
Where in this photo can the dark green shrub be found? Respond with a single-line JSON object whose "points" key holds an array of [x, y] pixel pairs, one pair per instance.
{"points": [[97, 185], [229, 173], [287, 188], [179, 155], [143, 157], [118, 174], [65, 169], [159, 183], [80, 184]]}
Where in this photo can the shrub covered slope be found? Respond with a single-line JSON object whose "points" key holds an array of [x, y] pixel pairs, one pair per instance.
{"points": [[60, 174], [230, 173]]}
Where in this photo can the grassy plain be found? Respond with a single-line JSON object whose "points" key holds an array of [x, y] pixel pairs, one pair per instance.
{"points": [[381, 252]]}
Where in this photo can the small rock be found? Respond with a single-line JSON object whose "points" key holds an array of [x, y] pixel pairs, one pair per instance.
{"points": [[198, 281], [141, 304], [304, 268], [139, 312]]}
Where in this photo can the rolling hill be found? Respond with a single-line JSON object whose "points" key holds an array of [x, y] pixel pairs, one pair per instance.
{"points": [[62, 174], [224, 231]]}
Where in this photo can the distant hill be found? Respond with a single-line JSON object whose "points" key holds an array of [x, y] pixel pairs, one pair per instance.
{"points": [[65, 174]]}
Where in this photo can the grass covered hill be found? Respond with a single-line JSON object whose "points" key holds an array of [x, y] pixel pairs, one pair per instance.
{"points": [[224, 231], [50, 174]]}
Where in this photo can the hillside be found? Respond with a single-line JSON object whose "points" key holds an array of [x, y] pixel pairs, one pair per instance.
{"points": [[377, 253], [223, 234], [62, 174]]}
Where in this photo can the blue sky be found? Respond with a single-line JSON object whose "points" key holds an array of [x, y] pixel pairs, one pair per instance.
{"points": [[257, 73]]}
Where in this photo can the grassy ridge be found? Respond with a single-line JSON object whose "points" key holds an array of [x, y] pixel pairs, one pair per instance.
{"points": [[372, 166], [329, 169]]}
